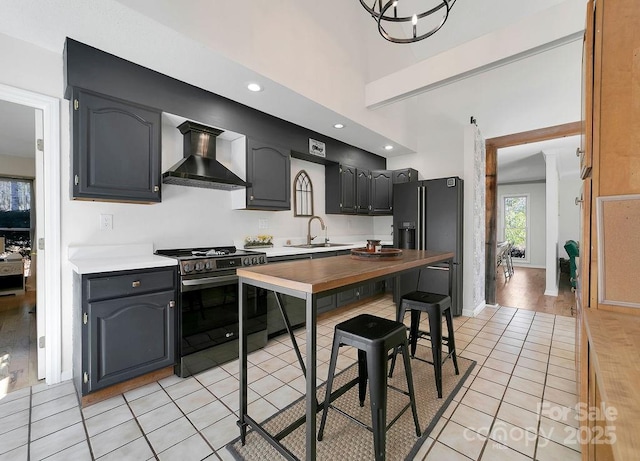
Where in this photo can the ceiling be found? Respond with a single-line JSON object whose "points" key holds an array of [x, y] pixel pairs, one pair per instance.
{"points": [[524, 93]]}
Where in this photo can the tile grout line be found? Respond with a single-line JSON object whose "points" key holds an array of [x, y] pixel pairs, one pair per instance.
{"points": [[29, 430], [84, 426], [495, 417], [144, 434], [511, 374], [460, 402], [544, 389]]}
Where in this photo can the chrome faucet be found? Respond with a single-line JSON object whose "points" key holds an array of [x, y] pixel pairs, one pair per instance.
{"points": [[309, 238]]}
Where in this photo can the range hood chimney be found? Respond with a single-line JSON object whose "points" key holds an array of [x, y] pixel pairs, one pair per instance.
{"points": [[199, 167]]}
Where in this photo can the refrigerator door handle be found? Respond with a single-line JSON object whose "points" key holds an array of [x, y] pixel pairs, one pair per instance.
{"points": [[421, 221]]}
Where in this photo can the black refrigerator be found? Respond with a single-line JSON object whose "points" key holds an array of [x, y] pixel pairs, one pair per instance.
{"points": [[428, 215]]}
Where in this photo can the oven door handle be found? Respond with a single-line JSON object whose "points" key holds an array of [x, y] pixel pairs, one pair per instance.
{"points": [[208, 282]]}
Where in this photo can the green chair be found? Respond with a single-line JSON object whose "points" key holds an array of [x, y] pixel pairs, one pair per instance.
{"points": [[573, 250]]}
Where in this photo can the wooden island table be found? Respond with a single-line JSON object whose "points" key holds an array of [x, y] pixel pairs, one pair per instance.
{"points": [[307, 279]]}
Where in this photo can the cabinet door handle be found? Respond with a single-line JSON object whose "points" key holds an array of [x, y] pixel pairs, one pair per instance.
{"points": [[172, 304], [156, 188], [579, 151], [135, 284]]}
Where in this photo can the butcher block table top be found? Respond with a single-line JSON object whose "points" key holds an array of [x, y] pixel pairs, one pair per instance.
{"points": [[318, 275]]}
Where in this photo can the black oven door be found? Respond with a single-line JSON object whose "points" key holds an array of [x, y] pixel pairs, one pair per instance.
{"points": [[209, 321]]}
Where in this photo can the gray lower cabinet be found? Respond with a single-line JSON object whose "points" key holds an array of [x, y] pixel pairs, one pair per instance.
{"points": [[116, 149], [128, 325], [346, 297], [295, 307], [360, 292], [269, 172], [326, 303]]}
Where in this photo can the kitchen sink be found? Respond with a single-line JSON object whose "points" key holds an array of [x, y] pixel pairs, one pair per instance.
{"points": [[320, 245]]}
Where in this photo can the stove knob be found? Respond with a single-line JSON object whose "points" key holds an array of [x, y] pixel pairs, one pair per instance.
{"points": [[263, 260], [207, 265], [199, 266], [254, 260], [246, 262], [187, 267]]}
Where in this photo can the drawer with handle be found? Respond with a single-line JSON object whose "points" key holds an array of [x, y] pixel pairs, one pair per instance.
{"points": [[128, 283]]}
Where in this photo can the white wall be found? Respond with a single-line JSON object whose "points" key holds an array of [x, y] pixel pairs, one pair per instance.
{"points": [[23, 167], [537, 226], [439, 155], [568, 213]]}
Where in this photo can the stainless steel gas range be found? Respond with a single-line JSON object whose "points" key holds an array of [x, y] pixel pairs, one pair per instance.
{"points": [[208, 323]]}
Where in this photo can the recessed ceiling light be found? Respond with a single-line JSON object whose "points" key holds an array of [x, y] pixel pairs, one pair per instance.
{"points": [[338, 125], [254, 87], [388, 147]]}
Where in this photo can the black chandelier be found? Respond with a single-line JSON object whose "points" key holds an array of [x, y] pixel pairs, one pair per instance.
{"points": [[390, 19]]}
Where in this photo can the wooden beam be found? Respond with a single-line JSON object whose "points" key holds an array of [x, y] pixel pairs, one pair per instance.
{"points": [[541, 134], [491, 180], [491, 200]]}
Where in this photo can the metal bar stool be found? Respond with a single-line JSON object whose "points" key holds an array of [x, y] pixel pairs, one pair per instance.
{"points": [[374, 337], [435, 306]]}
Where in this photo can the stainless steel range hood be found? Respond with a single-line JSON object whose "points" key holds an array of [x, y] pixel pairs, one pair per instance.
{"points": [[199, 167]]}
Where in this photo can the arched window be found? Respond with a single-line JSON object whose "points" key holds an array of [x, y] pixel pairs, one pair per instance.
{"points": [[302, 195]]}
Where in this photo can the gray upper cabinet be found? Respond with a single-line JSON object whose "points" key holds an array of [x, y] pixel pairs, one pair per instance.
{"points": [[269, 172], [381, 192], [116, 149], [128, 325], [340, 188], [405, 175], [351, 190], [363, 199], [346, 189]]}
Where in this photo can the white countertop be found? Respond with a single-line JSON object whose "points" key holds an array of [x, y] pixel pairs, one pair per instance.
{"points": [[107, 258], [290, 250]]}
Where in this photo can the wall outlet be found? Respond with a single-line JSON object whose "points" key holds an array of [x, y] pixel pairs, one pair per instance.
{"points": [[263, 223], [106, 222]]}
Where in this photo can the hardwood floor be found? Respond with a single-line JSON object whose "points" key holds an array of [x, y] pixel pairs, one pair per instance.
{"points": [[525, 290], [18, 353]]}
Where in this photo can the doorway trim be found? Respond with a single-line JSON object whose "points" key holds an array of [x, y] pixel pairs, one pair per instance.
{"points": [[491, 180], [50, 108]]}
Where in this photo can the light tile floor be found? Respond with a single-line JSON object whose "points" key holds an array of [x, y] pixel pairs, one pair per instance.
{"points": [[518, 404]]}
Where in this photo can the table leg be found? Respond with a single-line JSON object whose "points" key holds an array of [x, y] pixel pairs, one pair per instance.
{"points": [[396, 296], [312, 405], [242, 340], [450, 262]]}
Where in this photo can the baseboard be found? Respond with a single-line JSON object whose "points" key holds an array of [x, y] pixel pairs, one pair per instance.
{"points": [[475, 311], [121, 388], [532, 266], [551, 292]]}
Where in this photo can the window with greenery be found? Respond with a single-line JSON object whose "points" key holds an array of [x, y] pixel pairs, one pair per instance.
{"points": [[15, 214], [516, 225]]}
